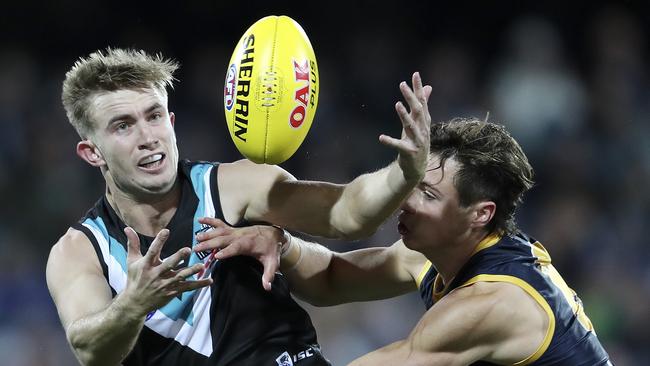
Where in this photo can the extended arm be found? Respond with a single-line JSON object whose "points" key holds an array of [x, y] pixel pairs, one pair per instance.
{"points": [[316, 274], [101, 330], [268, 193], [324, 278]]}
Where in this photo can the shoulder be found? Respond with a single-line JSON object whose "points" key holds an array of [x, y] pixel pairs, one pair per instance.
{"points": [[72, 241], [74, 247], [245, 169]]}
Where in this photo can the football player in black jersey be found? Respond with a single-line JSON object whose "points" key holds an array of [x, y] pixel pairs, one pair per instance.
{"points": [[122, 293]]}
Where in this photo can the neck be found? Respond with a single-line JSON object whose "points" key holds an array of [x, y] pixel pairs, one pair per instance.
{"points": [[146, 215], [449, 259]]}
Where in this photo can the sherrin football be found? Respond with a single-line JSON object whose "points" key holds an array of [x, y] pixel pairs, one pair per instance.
{"points": [[271, 90]]}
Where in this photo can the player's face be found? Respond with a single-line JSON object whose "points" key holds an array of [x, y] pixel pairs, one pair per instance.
{"points": [[133, 132], [432, 215]]}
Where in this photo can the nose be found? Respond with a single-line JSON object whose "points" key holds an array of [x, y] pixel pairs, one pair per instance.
{"points": [[148, 137], [412, 201]]}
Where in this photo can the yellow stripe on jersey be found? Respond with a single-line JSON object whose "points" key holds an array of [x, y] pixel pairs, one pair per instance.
{"points": [[569, 295], [541, 253], [423, 272], [530, 290], [487, 242], [544, 259]]}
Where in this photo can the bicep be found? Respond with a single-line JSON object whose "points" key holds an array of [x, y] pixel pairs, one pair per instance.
{"points": [[75, 279], [450, 333], [268, 193], [478, 322]]}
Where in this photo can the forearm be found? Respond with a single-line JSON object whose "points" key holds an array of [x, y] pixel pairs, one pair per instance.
{"points": [[325, 278], [306, 266], [370, 199], [106, 337]]}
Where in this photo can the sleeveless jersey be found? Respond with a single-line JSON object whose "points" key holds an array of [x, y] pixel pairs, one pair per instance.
{"points": [[520, 260], [232, 322]]}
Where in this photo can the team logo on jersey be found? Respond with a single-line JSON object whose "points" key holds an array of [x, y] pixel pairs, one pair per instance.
{"points": [[284, 359], [202, 255]]}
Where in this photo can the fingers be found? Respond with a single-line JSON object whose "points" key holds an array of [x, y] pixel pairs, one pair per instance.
{"points": [[153, 254], [184, 273], [180, 281], [176, 288], [228, 250], [397, 144], [414, 101], [408, 124], [173, 261], [212, 221], [427, 92], [212, 241], [133, 245], [417, 86], [270, 266]]}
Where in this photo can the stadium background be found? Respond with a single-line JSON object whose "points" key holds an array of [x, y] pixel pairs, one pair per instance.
{"points": [[570, 80]]}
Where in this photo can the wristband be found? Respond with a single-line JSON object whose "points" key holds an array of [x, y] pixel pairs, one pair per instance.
{"points": [[284, 249]]}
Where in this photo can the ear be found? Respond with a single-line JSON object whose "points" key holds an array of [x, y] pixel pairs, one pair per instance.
{"points": [[483, 212], [90, 153], [172, 118]]}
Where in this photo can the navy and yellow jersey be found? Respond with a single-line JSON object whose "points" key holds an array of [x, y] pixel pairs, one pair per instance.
{"points": [[520, 260], [232, 322]]}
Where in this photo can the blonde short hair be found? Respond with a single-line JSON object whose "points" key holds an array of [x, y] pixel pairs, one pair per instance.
{"points": [[111, 70]]}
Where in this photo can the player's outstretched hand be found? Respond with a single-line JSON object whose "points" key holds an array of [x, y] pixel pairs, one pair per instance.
{"points": [[152, 282], [260, 242], [413, 146]]}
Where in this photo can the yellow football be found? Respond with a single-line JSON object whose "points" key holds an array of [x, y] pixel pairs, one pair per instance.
{"points": [[271, 90]]}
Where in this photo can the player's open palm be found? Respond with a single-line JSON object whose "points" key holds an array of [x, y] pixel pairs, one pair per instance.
{"points": [[413, 146], [152, 282]]}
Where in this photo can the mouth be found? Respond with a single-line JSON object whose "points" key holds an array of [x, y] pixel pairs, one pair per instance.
{"points": [[152, 162], [402, 229]]}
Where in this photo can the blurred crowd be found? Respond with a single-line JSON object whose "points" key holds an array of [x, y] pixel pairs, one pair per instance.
{"points": [[573, 88]]}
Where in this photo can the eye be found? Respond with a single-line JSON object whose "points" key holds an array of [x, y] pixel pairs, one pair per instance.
{"points": [[429, 196], [122, 126], [156, 115]]}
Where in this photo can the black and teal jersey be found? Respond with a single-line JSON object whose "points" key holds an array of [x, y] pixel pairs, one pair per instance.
{"points": [[520, 260], [232, 322]]}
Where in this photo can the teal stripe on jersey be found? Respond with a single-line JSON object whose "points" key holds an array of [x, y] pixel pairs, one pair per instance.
{"points": [[176, 308], [115, 249]]}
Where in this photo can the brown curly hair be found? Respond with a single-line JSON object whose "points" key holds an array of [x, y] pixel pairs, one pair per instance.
{"points": [[492, 166]]}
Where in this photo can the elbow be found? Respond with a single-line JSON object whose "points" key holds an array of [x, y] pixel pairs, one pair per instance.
{"points": [[81, 352], [82, 349], [358, 233], [352, 230]]}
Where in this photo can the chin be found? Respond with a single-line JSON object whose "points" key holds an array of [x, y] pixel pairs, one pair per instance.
{"points": [[407, 242], [158, 186]]}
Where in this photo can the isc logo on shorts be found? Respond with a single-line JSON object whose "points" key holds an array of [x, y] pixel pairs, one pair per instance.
{"points": [[285, 359]]}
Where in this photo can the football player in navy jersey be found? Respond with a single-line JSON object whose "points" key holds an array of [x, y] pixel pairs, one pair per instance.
{"points": [[128, 288], [492, 295]]}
